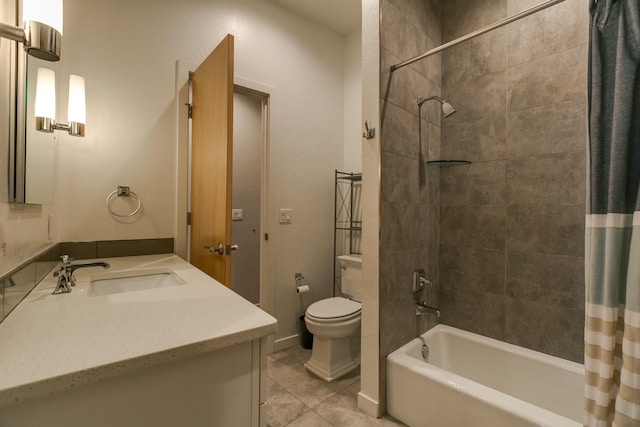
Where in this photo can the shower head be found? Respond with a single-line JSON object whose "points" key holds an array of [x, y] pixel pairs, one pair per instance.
{"points": [[447, 109]]}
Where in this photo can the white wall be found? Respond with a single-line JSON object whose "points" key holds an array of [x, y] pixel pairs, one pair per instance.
{"points": [[353, 123], [369, 397], [127, 52]]}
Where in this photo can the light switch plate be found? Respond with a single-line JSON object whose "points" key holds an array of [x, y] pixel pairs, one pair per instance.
{"points": [[285, 216], [237, 214]]}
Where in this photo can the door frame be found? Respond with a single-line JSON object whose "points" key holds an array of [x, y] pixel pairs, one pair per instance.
{"points": [[265, 93]]}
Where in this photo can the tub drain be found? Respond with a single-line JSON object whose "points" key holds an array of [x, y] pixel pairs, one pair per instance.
{"points": [[425, 352]]}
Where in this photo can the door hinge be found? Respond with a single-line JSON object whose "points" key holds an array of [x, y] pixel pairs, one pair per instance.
{"points": [[188, 218], [189, 110], [266, 236]]}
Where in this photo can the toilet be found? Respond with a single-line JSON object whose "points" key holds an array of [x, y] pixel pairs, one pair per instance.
{"points": [[335, 325]]}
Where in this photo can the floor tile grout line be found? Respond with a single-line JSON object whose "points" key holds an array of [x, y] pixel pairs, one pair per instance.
{"points": [[309, 408], [328, 422], [295, 362]]}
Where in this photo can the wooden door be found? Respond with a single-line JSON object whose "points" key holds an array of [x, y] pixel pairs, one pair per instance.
{"points": [[211, 164]]}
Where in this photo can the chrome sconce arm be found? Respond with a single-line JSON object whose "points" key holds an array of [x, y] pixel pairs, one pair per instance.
{"points": [[13, 32], [46, 124]]}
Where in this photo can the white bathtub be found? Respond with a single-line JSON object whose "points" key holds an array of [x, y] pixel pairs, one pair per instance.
{"points": [[471, 380]]}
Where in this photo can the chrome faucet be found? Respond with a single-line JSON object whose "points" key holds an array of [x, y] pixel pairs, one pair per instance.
{"points": [[423, 308], [65, 273]]}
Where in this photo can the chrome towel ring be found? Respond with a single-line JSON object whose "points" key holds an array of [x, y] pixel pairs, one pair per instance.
{"points": [[123, 191]]}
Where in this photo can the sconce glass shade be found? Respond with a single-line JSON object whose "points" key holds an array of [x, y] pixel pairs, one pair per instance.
{"points": [[45, 105], [48, 12], [77, 112]]}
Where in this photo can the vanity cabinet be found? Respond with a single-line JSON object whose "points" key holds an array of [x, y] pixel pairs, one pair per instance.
{"points": [[193, 354], [219, 388]]}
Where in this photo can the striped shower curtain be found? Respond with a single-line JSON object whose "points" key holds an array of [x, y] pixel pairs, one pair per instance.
{"points": [[612, 246]]}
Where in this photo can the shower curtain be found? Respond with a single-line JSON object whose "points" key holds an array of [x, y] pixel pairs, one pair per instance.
{"points": [[612, 244]]}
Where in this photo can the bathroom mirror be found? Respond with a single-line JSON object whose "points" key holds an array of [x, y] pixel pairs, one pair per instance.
{"points": [[27, 162], [32, 154]]}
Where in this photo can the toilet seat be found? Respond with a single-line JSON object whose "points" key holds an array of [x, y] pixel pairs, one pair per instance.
{"points": [[334, 309]]}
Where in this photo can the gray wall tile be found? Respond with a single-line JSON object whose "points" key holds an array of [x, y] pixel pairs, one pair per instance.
{"points": [[516, 215], [476, 98], [79, 250], [558, 28], [410, 193], [477, 140], [399, 130], [550, 179], [399, 178], [476, 184], [396, 273], [398, 324], [401, 35], [547, 229], [547, 80], [476, 312], [549, 279], [460, 17], [117, 248], [503, 239], [549, 129], [403, 88], [471, 268], [403, 226], [486, 54], [433, 148], [546, 328], [476, 226]]}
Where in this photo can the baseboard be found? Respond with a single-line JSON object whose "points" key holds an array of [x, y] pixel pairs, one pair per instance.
{"points": [[286, 342], [369, 406]]}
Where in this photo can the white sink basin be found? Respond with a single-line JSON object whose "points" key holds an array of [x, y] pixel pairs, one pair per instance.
{"points": [[117, 282]]}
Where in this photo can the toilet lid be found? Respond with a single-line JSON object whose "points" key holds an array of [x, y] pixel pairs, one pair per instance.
{"points": [[332, 308]]}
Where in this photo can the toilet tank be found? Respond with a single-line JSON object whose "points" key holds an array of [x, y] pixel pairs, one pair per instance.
{"points": [[351, 271]]}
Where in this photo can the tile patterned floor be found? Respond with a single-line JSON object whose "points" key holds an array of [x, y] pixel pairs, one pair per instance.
{"points": [[296, 398]]}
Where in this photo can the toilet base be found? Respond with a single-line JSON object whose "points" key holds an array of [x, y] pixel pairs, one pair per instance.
{"points": [[331, 358]]}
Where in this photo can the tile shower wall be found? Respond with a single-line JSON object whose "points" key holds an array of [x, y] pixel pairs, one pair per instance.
{"points": [[408, 216], [512, 223]]}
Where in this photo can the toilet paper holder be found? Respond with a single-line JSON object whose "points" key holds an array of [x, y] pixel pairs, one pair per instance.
{"points": [[302, 287]]}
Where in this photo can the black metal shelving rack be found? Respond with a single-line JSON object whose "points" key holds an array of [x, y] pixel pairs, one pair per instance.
{"points": [[346, 212]]}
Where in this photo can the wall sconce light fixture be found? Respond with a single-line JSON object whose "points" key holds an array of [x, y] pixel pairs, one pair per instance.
{"points": [[42, 30], [45, 105]]}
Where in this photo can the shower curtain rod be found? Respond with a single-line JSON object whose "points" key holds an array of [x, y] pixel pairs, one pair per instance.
{"points": [[476, 33]]}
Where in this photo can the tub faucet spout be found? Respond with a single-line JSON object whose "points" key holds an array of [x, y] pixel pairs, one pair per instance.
{"points": [[65, 273], [423, 308]]}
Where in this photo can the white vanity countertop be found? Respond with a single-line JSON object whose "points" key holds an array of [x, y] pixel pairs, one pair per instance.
{"points": [[51, 343]]}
